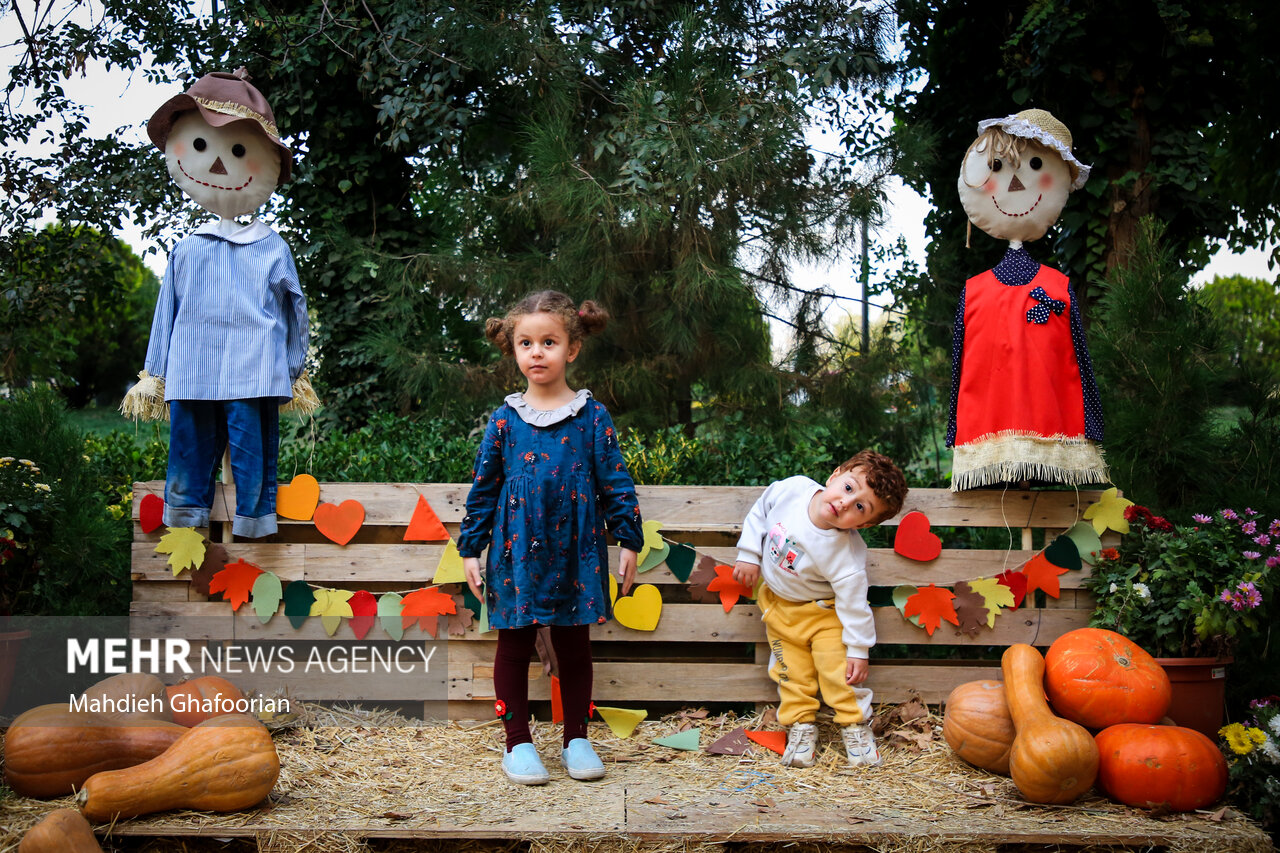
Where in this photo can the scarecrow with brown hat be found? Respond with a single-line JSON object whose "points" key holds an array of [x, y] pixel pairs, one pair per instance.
{"points": [[1024, 403], [229, 334]]}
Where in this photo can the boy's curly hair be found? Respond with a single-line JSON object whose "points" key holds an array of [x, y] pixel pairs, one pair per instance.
{"points": [[579, 320], [884, 478]]}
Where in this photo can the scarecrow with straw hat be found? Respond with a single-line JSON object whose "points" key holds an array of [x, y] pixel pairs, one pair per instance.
{"points": [[1024, 403], [229, 334]]}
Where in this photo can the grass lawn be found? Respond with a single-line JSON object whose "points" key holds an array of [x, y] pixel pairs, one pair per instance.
{"points": [[102, 420]]}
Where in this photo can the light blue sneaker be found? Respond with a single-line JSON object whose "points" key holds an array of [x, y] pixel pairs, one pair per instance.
{"points": [[581, 760], [523, 766]]}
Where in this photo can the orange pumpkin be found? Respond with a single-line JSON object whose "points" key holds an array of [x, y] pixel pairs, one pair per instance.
{"points": [[131, 690], [202, 698], [977, 726], [1169, 766], [1098, 678], [61, 831]]}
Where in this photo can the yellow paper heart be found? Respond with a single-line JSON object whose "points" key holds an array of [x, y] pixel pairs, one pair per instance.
{"points": [[622, 721], [640, 610], [299, 499]]}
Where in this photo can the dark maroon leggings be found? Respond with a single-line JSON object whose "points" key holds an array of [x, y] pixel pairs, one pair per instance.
{"points": [[572, 645]]}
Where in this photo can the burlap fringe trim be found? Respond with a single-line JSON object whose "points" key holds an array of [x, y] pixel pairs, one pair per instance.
{"points": [[145, 400], [1011, 456]]}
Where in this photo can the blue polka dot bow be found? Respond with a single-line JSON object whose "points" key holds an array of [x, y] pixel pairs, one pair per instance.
{"points": [[1040, 313]]}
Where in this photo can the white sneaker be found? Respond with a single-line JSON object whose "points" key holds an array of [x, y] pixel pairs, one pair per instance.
{"points": [[860, 744], [802, 745]]}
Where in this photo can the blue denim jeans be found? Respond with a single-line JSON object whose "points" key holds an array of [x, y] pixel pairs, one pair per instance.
{"points": [[199, 430]]}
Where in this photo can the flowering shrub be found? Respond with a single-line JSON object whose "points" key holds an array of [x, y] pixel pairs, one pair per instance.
{"points": [[1253, 754], [1187, 590], [27, 503]]}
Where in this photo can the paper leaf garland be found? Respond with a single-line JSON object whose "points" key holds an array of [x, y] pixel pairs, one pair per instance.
{"points": [[450, 568], [728, 588], [1062, 552], [901, 594], [425, 525], [933, 604], [298, 599], [332, 606], [389, 615], [652, 539], [235, 582], [150, 513], [776, 741], [688, 740], [622, 721], [339, 522], [266, 594], [641, 610], [735, 742], [215, 558], [995, 596], [185, 547], [1041, 574], [364, 610], [1088, 545], [680, 561], [913, 539], [1016, 582], [460, 620], [1108, 512], [653, 558], [425, 606], [703, 575], [970, 607], [298, 500]]}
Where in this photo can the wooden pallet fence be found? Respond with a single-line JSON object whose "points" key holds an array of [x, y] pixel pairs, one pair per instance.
{"points": [[698, 652]]}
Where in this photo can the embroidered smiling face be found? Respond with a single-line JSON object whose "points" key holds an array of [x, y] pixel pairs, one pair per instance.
{"points": [[1012, 188], [230, 170]]}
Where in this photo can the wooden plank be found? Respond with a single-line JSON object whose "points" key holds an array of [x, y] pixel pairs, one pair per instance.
{"points": [[662, 681], [1026, 625], [145, 591], [188, 620]]}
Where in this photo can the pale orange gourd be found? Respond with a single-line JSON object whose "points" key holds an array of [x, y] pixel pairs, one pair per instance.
{"points": [[224, 764], [49, 750], [189, 698], [61, 831], [977, 726], [1052, 760], [148, 693]]}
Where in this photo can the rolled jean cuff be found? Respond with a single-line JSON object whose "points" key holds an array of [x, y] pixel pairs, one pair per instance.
{"points": [[186, 516], [254, 528]]}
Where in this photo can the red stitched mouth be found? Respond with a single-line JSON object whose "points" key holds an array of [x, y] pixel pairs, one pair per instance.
{"points": [[215, 186], [1024, 213]]}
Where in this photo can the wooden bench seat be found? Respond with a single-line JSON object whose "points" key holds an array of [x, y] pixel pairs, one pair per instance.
{"points": [[697, 654]]}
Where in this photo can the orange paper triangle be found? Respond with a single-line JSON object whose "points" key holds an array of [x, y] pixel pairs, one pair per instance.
{"points": [[777, 741], [557, 706], [425, 525]]}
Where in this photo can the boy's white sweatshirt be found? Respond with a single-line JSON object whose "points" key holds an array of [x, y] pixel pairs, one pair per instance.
{"points": [[802, 562]]}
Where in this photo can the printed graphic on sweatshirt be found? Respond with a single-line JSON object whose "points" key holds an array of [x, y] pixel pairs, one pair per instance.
{"points": [[783, 551]]}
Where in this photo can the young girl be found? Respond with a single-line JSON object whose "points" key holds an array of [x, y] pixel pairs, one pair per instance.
{"points": [[548, 476]]}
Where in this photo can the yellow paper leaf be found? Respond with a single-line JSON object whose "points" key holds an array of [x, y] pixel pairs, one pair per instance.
{"points": [[652, 539], [1109, 512], [185, 547], [995, 594], [450, 568], [332, 606]]}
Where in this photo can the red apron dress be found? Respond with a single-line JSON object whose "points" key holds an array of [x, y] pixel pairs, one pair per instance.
{"points": [[1024, 400]]}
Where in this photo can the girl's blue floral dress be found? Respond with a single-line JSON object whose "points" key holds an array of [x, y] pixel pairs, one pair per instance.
{"points": [[544, 485]]}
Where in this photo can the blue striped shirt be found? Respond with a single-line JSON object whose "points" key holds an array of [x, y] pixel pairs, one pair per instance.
{"points": [[231, 319]]}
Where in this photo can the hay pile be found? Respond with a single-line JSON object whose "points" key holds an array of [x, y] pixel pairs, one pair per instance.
{"points": [[354, 781]]}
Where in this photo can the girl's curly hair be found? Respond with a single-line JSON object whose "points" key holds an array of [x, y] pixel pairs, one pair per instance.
{"points": [[579, 320]]}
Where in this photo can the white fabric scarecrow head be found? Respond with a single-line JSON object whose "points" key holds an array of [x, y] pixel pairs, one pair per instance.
{"points": [[221, 145], [1015, 177]]}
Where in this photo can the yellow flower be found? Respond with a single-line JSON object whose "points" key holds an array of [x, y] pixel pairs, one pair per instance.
{"points": [[1258, 736], [1240, 741]]}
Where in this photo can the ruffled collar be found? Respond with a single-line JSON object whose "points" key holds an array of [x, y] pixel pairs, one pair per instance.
{"points": [[1017, 267], [547, 417], [234, 232]]}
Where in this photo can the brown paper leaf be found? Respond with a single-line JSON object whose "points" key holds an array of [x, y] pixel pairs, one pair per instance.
{"points": [[215, 559], [703, 575], [971, 609]]}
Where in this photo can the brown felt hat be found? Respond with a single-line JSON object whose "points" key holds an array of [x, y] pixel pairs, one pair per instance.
{"points": [[222, 98]]}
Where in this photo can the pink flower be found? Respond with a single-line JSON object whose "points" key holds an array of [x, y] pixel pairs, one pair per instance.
{"points": [[1250, 555], [1249, 528], [1273, 561], [1202, 518], [1262, 539], [1229, 514], [1251, 595]]}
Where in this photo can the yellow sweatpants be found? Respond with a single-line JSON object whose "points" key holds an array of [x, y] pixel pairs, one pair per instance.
{"points": [[809, 657]]}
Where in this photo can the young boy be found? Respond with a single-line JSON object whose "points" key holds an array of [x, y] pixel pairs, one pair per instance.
{"points": [[814, 596]]}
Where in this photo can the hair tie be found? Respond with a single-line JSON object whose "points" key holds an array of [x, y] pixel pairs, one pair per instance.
{"points": [[581, 313]]}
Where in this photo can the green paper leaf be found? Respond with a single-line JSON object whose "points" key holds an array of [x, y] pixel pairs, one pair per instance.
{"points": [[1062, 552], [680, 561], [689, 739], [656, 557], [298, 599], [483, 626], [266, 596], [389, 615], [1087, 541], [900, 595]]}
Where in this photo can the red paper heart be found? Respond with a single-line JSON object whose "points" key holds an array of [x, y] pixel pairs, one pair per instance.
{"points": [[914, 541], [150, 512], [339, 522]]}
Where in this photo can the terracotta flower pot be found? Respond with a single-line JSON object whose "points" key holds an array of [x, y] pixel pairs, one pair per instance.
{"points": [[1199, 692]]}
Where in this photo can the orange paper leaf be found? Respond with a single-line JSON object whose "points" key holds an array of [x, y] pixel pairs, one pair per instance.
{"points": [[932, 604], [235, 582], [1041, 574], [426, 606], [730, 590]]}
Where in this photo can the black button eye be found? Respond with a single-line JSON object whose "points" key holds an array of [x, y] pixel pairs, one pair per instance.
{"points": [[199, 144], [1036, 163], [996, 165], [238, 151]]}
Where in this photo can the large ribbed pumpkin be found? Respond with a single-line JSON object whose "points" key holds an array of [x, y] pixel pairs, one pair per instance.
{"points": [[1168, 766], [202, 699], [977, 726], [1098, 678]]}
